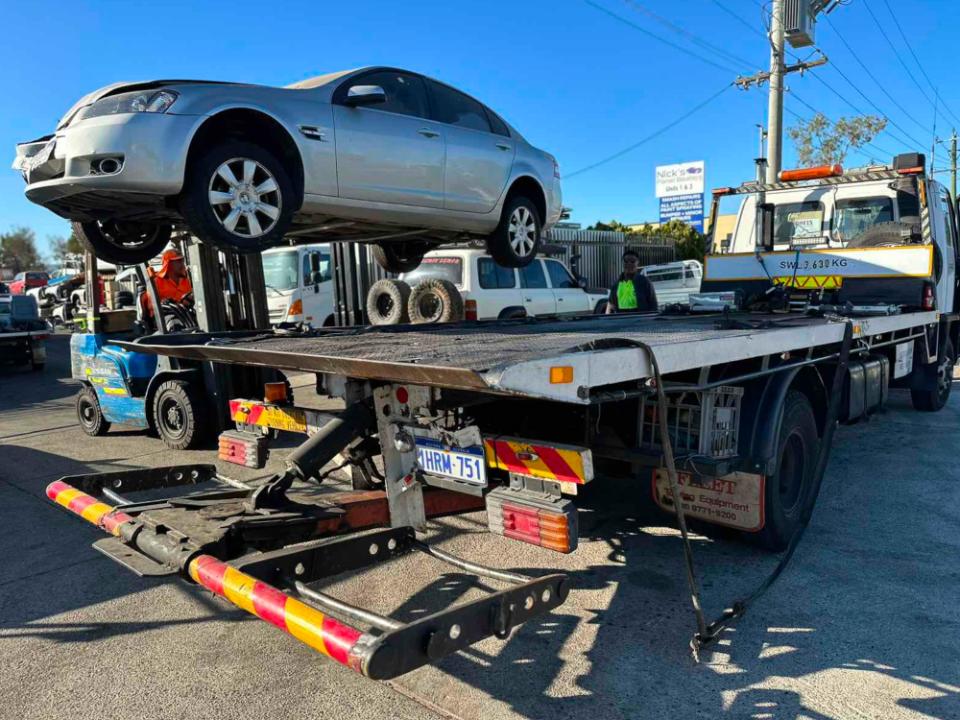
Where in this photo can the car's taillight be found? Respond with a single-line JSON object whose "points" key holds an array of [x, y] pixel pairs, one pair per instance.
{"points": [[929, 299], [549, 523], [470, 310]]}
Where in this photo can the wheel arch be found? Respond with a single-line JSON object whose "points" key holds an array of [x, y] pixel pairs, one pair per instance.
{"points": [[251, 125], [512, 312], [764, 403], [529, 186]]}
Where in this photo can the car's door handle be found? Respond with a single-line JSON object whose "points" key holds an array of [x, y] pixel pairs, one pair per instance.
{"points": [[559, 299], [427, 132], [503, 146], [528, 299]]}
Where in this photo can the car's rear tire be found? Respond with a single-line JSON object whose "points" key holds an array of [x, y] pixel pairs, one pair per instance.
{"points": [[387, 302], [89, 414], [935, 398], [789, 492], [516, 240], [238, 196], [123, 243], [178, 415], [435, 301], [399, 257]]}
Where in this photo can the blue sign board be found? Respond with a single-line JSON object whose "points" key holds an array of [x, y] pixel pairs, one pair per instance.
{"points": [[686, 208]]}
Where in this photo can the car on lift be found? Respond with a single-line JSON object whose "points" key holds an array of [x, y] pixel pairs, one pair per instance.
{"points": [[376, 155]]}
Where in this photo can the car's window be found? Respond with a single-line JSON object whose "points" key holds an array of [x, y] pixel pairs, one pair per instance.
{"points": [[495, 277], [20, 276], [455, 108], [532, 276], [664, 275], [560, 277], [797, 223], [496, 124], [280, 270], [853, 216], [305, 273], [442, 267], [406, 94]]}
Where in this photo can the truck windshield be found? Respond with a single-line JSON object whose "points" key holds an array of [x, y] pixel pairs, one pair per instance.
{"points": [[441, 267], [280, 270], [853, 216]]}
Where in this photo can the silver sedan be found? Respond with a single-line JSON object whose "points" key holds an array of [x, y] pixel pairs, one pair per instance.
{"points": [[376, 155]]}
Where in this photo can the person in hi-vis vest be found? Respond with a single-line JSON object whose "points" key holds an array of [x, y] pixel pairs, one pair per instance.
{"points": [[632, 292]]}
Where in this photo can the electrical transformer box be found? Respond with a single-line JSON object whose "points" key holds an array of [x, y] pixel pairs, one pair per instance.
{"points": [[799, 21]]}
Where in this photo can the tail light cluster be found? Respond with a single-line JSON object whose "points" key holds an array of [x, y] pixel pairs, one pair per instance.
{"points": [[929, 298], [533, 518], [470, 310]]}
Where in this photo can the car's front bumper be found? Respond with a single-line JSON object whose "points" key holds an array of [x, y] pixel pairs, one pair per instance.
{"points": [[61, 172]]}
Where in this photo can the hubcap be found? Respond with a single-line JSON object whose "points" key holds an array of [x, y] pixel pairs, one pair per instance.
{"points": [[245, 197], [173, 417], [523, 231]]}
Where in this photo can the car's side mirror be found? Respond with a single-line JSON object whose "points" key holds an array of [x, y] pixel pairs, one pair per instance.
{"points": [[316, 277], [582, 283], [360, 95]]}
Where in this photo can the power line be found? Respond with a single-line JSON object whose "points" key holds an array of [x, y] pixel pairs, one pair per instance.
{"points": [[914, 54], [651, 136], [692, 37], [896, 53], [873, 77], [739, 19], [656, 37]]}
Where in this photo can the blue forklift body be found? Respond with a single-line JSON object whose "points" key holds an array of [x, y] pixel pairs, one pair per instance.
{"points": [[120, 378]]}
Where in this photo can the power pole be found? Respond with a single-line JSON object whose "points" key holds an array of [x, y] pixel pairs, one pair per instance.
{"points": [[775, 97], [953, 164]]}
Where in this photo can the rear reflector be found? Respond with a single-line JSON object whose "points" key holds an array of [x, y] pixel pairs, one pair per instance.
{"points": [[470, 310], [533, 518], [275, 392]]}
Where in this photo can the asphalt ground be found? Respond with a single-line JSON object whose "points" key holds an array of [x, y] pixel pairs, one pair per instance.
{"points": [[863, 624]]}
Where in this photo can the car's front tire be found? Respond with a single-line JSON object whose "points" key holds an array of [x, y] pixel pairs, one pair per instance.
{"points": [[399, 257], [123, 243], [516, 240], [238, 196]]}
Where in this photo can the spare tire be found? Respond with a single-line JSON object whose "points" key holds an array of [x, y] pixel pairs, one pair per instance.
{"points": [[435, 301], [888, 234], [387, 302]]}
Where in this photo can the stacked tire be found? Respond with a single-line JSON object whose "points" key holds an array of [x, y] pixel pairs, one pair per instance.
{"points": [[393, 302]]}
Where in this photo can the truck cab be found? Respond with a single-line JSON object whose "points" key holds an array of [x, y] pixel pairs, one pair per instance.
{"points": [[299, 284]]}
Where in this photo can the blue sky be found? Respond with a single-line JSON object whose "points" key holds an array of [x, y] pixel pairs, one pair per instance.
{"points": [[575, 80]]}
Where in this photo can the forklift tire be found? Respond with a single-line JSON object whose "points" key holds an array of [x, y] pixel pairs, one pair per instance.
{"points": [[210, 202], [123, 243], [936, 398], [789, 492], [178, 415], [387, 302], [399, 257], [435, 301], [89, 414]]}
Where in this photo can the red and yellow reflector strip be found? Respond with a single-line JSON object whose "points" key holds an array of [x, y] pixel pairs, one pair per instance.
{"points": [[88, 507], [563, 463], [307, 624], [252, 412]]}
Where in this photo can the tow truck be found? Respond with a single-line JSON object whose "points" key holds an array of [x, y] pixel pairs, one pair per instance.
{"points": [[721, 414]]}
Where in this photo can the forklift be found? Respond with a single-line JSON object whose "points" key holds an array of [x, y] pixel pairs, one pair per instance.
{"points": [[179, 400]]}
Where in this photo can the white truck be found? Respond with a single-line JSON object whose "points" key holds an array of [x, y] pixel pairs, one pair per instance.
{"points": [[299, 284], [839, 287]]}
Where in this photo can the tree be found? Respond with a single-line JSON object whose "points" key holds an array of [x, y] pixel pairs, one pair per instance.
{"points": [[690, 244], [612, 226], [62, 248], [820, 141], [18, 250]]}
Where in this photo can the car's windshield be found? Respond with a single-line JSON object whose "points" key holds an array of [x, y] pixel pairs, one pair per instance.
{"points": [[854, 216], [442, 267], [280, 270]]}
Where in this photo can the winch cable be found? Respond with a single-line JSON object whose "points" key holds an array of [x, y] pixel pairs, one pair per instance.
{"points": [[738, 608], [707, 634]]}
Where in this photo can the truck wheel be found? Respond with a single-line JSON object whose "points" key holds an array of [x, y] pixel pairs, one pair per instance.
{"points": [[387, 302], [516, 240], [789, 491], [178, 415], [123, 243], [435, 301], [238, 196], [89, 414], [936, 398], [399, 257]]}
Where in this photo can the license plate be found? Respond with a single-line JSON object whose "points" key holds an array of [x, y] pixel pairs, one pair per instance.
{"points": [[465, 464], [40, 158]]}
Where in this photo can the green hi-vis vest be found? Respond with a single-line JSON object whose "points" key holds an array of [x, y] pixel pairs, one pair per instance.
{"points": [[626, 295]]}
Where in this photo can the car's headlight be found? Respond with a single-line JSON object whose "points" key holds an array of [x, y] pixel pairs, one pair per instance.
{"points": [[152, 101]]}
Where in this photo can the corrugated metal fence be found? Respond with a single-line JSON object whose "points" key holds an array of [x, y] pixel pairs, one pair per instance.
{"points": [[597, 254]]}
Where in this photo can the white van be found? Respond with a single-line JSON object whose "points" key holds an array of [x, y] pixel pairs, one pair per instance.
{"points": [[544, 287], [674, 281], [295, 292]]}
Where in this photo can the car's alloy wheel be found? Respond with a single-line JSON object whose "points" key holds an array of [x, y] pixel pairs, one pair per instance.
{"points": [[523, 231], [245, 197]]}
